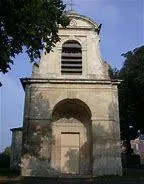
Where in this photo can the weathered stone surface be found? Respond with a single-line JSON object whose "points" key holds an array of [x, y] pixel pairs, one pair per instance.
{"points": [[16, 146], [83, 108], [85, 32], [91, 107]]}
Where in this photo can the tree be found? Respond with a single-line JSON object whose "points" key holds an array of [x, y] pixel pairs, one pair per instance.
{"points": [[113, 73], [31, 25], [5, 158], [131, 96], [131, 93]]}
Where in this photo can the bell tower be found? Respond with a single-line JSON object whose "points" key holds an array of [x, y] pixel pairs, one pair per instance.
{"points": [[71, 117], [77, 55]]}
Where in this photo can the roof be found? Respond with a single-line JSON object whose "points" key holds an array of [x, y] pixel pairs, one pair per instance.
{"points": [[17, 129]]}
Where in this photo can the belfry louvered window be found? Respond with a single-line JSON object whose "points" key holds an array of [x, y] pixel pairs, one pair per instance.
{"points": [[71, 58]]}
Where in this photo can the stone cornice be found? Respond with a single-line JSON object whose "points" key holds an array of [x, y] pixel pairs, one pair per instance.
{"points": [[16, 129], [26, 81]]}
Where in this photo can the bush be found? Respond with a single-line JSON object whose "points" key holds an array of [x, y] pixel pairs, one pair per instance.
{"points": [[4, 160]]}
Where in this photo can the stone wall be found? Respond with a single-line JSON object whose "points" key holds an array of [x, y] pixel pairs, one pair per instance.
{"points": [[100, 97], [16, 146], [85, 33], [95, 94]]}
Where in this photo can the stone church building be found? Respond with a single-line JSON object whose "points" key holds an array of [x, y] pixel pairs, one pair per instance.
{"points": [[71, 116]]}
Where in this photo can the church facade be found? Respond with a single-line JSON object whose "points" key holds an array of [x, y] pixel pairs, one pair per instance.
{"points": [[71, 116]]}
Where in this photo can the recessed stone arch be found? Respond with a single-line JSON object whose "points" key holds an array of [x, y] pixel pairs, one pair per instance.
{"points": [[64, 106], [71, 119], [70, 37]]}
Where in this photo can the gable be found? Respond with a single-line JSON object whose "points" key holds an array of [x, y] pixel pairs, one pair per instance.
{"points": [[79, 21]]}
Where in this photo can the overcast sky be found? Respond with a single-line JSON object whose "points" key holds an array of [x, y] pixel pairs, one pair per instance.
{"points": [[122, 30]]}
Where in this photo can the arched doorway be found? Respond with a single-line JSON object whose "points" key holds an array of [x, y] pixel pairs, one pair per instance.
{"points": [[71, 124]]}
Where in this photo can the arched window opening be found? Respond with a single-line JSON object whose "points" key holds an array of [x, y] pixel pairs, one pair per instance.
{"points": [[71, 58]]}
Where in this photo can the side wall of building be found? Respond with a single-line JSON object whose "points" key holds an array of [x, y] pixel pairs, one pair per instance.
{"points": [[16, 146]]}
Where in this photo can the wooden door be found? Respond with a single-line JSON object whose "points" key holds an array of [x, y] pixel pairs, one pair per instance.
{"points": [[70, 153]]}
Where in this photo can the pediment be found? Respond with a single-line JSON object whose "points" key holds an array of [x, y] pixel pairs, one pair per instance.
{"points": [[79, 21]]}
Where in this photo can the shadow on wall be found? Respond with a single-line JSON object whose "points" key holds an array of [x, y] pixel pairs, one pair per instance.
{"points": [[75, 160], [72, 161], [106, 143], [37, 136], [106, 151], [38, 140], [106, 158]]}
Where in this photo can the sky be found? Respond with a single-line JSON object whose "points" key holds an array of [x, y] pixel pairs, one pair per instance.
{"points": [[122, 30]]}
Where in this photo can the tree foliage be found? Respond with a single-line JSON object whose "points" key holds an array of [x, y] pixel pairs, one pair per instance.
{"points": [[131, 92], [29, 24], [5, 158], [113, 73]]}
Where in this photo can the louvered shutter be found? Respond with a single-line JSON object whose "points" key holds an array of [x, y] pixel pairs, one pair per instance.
{"points": [[71, 58]]}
